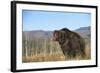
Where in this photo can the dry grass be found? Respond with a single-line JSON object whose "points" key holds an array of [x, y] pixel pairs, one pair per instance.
{"points": [[88, 53], [42, 58], [51, 51], [55, 57]]}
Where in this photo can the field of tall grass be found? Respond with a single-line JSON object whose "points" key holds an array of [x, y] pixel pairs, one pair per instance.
{"points": [[41, 50]]}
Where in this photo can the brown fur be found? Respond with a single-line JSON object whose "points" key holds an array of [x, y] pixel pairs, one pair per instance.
{"points": [[72, 44]]}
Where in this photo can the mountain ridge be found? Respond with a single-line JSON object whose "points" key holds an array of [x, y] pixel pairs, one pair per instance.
{"points": [[83, 31]]}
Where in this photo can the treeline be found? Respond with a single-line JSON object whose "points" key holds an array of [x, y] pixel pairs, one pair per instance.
{"points": [[39, 46]]}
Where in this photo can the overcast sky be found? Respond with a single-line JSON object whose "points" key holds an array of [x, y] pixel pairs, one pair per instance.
{"points": [[46, 20]]}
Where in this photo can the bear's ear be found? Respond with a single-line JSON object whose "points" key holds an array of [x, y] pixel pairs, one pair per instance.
{"points": [[56, 33]]}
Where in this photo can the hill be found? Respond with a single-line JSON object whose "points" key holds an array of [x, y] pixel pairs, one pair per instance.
{"points": [[85, 32]]}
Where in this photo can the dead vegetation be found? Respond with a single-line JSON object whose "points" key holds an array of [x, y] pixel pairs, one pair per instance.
{"points": [[42, 58], [44, 50]]}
